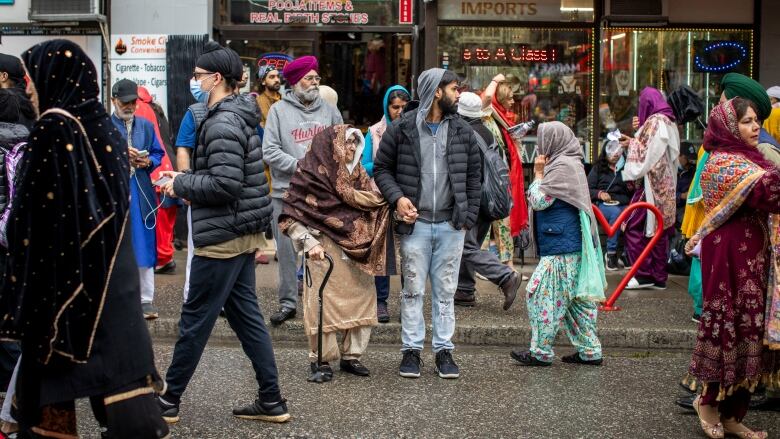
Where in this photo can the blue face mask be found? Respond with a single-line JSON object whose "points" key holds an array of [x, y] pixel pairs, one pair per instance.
{"points": [[199, 95], [620, 163]]}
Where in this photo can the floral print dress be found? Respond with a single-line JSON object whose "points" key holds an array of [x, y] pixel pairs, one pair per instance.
{"points": [[549, 300]]}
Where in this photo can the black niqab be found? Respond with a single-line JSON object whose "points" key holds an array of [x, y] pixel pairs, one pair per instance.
{"points": [[69, 215]]}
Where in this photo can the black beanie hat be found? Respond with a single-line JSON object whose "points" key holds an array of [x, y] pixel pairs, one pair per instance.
{"points": [[222, 60]]}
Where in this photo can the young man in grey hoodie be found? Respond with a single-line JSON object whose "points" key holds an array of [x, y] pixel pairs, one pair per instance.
{"points": [[290, 126], [428, 166]]}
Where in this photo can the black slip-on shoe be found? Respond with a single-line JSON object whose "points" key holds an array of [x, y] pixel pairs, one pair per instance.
{"points": [[526, 359], [355, 367]]}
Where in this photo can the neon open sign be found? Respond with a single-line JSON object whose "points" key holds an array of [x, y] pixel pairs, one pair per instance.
{"points": [[508, 54], [719, 56]]}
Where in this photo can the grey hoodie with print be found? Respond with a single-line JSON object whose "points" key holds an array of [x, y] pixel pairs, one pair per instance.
{"points": [[289, 130]]}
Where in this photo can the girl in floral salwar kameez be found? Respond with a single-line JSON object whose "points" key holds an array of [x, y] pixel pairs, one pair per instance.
{"points": [[739, 321], [569, 280], [652, 164]]}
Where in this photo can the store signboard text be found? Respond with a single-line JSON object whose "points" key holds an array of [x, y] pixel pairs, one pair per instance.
{"points": [[509, 54], [308, 12], [500, 10], [141, 59]]}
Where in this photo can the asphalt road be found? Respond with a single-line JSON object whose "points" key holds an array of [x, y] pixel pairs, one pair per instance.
{"points": [[631, 396]]}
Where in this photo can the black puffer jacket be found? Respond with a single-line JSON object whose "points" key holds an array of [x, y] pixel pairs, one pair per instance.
{"points": [[227, 187], [11, 134], [397, 167]]}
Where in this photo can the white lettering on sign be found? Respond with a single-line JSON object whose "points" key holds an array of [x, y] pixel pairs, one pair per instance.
{"points": [[309, 12]]}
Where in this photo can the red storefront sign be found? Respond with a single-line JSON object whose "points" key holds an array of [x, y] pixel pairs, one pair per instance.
{"points": [[405, 11]]}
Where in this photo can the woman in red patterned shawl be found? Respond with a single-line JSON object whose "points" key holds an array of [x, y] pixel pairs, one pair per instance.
{"points": [[741, 193]]}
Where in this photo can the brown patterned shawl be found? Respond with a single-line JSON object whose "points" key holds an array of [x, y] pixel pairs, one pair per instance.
{"points": [[324, 195]]}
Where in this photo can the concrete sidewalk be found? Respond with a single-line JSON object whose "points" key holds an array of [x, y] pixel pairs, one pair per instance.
{"points": [[648, 320]]}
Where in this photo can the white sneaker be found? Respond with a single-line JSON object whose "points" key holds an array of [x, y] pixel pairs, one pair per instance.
{"points": [[634, 284]]}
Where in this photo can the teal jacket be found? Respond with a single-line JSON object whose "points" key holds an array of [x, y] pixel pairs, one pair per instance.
{"points": [[368, 150]]}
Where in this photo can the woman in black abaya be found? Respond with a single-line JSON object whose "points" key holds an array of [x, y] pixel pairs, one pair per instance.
{"points": [[70, 293]]}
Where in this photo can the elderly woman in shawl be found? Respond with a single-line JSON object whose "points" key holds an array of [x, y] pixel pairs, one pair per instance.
{"points": [[740, 323], [569, 280], [331, 206], [71, 289], [652, 163]]}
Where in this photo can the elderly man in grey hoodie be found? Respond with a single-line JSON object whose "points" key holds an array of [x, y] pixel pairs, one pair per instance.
{"points": [[290, 127], [428, 166]]}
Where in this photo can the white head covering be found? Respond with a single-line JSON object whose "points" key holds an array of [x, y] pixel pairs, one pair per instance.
{"points": [[773, 92], [329, 95], [470, 105]]}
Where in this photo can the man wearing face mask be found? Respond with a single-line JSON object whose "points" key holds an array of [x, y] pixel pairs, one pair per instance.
{"points": [[428, 166], [145, 153], [230, 211], [290, 127]]}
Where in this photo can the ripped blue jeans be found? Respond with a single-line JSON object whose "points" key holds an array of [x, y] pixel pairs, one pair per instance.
{"points": [[432, 250]]}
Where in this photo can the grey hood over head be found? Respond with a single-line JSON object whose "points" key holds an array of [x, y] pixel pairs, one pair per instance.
{"points": [[426, 91]]}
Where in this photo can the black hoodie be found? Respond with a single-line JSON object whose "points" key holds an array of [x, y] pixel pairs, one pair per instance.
{"points": [[227, 187]]}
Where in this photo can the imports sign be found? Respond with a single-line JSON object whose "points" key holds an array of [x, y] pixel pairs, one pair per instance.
{"points": [[141, 59], [502, 10]]}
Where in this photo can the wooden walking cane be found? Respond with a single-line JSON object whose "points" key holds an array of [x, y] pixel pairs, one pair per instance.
{"points": [[320, 375]]}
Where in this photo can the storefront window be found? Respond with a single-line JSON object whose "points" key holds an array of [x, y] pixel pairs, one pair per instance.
{"points": [[632, 59], [549, 71]]}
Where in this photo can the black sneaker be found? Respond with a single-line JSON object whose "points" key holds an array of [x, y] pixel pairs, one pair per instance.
{"points": [[611, 262], [264, 411], [410, 364], [282, 315], [623, 262], [169, 410], [445, 365]]}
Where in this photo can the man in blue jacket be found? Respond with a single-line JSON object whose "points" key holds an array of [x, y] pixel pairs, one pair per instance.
{"points": [[145, 153]]}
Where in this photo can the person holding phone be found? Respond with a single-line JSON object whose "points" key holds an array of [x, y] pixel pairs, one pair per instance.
{"points": [[145, 154]]}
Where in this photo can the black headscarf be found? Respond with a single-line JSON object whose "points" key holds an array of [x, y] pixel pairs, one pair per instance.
{"points": [[223, 60], [69, 216]]}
